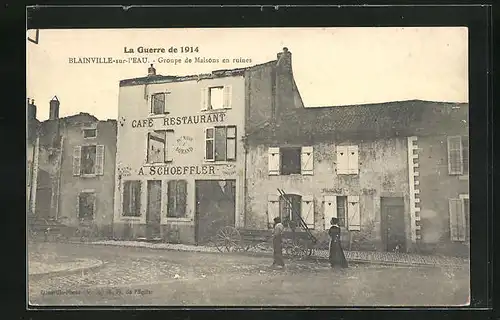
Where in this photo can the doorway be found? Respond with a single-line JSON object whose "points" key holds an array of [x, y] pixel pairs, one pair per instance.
{"points": [[153, 213], [215, 207], [393, 224]]}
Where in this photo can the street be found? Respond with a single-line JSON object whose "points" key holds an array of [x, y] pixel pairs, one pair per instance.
{"points": [[139, 276]]}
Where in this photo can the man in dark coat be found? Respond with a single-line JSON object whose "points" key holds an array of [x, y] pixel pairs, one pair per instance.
{"points": [[277, 243], [337, 257]]}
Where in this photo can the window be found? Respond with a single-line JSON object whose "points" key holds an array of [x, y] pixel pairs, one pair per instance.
{"points": [[132, 198], [458, 225], [88, 160], [342, 210], [290, 207], [89, 133], [290, 161], [216, 98], [158, 103], [177, 195], [86, 206], [347, 160], [160, 146], [458, 155], [220, 143]]}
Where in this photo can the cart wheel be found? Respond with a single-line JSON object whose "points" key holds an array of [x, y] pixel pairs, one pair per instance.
{"points": [[299, 251], [227, 239]]}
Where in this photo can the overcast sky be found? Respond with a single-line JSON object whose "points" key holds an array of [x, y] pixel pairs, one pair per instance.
{"points": [[332, 66]]}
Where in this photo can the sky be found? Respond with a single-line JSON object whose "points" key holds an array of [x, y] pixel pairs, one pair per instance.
{"points": [[331, 66]]}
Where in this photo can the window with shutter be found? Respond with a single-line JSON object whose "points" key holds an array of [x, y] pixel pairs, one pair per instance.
{"points": [[216, 98], [77, 159], [465, 154], [353, 159], [455, 156], [307, 213], [457, 220], [88, 159], [329, 210], [99, 170], [307, 161], [227, 97], [272, 209], [177, 198], [290, 162], [353, 214], [274, 161], [342, 160]]}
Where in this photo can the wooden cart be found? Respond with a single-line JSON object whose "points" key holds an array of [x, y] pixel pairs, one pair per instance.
{"points": [[298, 241]]}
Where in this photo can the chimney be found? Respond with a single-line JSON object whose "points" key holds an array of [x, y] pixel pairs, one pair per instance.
{"points": [[31, 110], [54, 109], [285, 60], [151, 71]]}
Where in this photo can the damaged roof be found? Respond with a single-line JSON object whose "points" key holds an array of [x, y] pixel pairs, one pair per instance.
{"points": [[214, 74], [367, 121]]}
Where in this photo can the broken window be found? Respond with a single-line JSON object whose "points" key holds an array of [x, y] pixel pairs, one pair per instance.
{"points": [[177, 196], [132, 198], [89, 133], [88, 161], [290, 161], [86, 206], [216, 98], [290, 207], [220, 143], [156, 146], [158, 104]]}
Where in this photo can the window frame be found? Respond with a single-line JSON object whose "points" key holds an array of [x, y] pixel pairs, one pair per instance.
{"points": [[172, 186], [87, 129], [226, 139], [94, 195], [298, 165], [82, 173], [209, 98], [152, 104], [343, 221], [166, 157]]}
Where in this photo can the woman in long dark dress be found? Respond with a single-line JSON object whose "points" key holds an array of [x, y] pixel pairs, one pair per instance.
{"points": [[337, 257]]}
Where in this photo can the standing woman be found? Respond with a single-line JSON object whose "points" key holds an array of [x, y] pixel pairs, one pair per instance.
{"points": [[337, 257]]}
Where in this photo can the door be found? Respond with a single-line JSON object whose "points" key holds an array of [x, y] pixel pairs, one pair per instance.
{"points": [[153, 213], [393, 224], [43, 199], [215, 207]]}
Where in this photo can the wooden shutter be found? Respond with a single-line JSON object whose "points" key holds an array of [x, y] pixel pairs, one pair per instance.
{"points": [[99, 160], [307, 209], [353, 159], [77, 160], [455, 156], [274, 161], [329, 210], [204, 99], [273, 209], [307, 161], [227, 92], [180, 198], [137, 198], [169, 145], [172, 188], [126, 198], [353, 214], [457, 220], [342, 160]]}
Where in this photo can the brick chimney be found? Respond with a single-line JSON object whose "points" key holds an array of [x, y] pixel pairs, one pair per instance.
{"points": [[54, 109], [284, 85], [151, 71], [31, 110]]}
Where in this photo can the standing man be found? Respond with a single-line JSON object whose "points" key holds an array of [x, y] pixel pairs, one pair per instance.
{"points": [[277, 243]]}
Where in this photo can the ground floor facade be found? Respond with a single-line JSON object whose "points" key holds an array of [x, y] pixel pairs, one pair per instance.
{"points": [[182, 209]]}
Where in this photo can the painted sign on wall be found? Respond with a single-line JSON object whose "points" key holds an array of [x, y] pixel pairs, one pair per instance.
{"points": [[177, 121], [176, 170]]}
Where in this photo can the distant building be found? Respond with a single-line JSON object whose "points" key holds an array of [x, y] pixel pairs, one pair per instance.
{"points": [[75, 171], [32, 144]]}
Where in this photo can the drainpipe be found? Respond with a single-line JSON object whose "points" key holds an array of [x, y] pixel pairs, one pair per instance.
{"points": [[59, 175], [34, 175]]}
